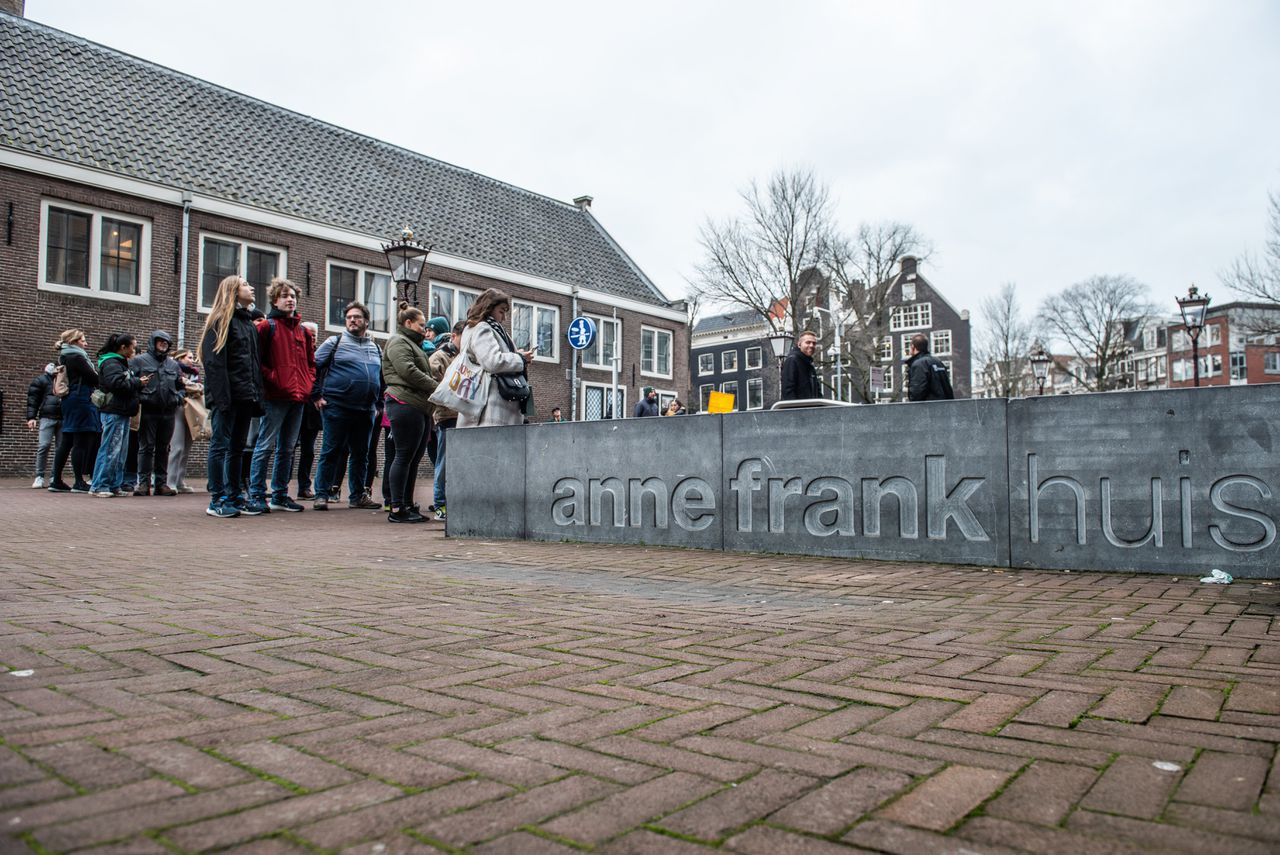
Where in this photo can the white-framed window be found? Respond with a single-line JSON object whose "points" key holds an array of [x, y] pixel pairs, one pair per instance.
{"points": [[655, 352], [914, 316], [94, 252], [755, 358], [729, 361], [704, 396], [1209, 336], [664, 399], [1271, 362], [537, 327], [731, 388], [1239, 371], [347, 282], [706, 363], [607, 345], [595, 402], [908, 290], [221, 257], [906, 345], [940, 342], [1149, 338], [450, 301], [884, 347], [755, 394]]}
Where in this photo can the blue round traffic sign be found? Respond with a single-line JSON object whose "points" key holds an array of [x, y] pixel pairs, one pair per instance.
{"points": [[581, 333]]}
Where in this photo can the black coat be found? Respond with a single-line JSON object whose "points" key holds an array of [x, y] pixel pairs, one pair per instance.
{"points": [[41, 402], [927, 379], [164, 393], [799, 377], [233, 375], [123, 385], [80, 371]]}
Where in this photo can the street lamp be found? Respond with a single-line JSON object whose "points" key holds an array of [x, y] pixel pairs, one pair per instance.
{"points": [[1193, 307], [406, 257], [837, 322], [780, 344], [1040, 360]]}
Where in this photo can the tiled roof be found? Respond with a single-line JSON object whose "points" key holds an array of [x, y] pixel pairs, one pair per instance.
{"points": [[720, 321], [77, 101]]}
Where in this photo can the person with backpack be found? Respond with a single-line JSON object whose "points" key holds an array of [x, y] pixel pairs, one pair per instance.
{"points": [[81, 424], [347, 383], [44, 414], [286, 350], [160, 399], [927, 378], [117, 401]]}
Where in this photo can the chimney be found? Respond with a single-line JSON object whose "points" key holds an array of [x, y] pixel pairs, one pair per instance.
{"points": [[908, 263], [583, 202], [14, 7]]}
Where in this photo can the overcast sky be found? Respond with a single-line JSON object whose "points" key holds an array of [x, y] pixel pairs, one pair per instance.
{"points": [[1032, 142]]}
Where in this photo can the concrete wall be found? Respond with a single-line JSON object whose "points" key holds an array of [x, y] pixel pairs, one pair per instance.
{"points": [[1178, 481]]}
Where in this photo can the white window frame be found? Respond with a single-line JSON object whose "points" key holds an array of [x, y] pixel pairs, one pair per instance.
{"points": [[737, 399], [282, 270], [757, 383], [704, 396], [759, 360], [362, 296], [934, 336], [671, 352], [605, 364], [906, 345], [724, 360], [555, 328], [1272, 357], [453, 311], [708, 356], [142, 298], [884, 347], [916, 316], [622, 390]]}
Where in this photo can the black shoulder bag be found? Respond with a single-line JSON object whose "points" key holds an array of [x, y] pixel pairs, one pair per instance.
{"points": [[511, 387]]}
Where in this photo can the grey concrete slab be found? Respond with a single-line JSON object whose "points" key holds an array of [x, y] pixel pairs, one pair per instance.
{"points": [[652, 480], [486, 488], [1177, 481], [896, 481]]}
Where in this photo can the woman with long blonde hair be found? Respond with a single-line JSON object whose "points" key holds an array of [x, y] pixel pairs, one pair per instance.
{"points": [[233, 390]]}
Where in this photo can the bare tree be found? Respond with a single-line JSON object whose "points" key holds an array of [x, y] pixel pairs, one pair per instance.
{"points": [[1258, 278], [861, 268], [755, 260], [1089, 318], [1004, 344]]}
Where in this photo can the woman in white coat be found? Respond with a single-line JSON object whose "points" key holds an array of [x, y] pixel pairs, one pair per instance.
{"points": [[488, 345]]}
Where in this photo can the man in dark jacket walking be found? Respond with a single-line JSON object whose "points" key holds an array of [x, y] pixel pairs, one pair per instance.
{"points": [[799, 377], [287, 353], [160, 399], [927, 378], [647, 405], [44, 414]]}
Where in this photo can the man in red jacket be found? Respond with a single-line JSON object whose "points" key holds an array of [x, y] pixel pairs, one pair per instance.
{"points": [[287, 352]]}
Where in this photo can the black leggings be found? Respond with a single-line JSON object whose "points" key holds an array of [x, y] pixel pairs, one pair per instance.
{"points": [[82, 448], [409, 427]]}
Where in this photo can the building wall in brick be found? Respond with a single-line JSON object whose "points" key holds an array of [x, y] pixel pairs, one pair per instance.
{"points": [[37, 317]]}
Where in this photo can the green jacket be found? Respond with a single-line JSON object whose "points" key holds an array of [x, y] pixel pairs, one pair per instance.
{"points": [[406, 370]]}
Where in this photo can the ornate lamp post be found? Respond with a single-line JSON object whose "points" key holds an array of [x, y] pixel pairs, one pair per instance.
{"points": [[1193, 306], [780, 344], [1040, 360], [407, 258]]}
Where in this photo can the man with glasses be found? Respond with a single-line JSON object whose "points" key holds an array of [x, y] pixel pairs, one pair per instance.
{"points": [[348, 382]]}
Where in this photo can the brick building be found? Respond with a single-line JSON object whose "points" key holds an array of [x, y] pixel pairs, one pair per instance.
{"points": [[131, 189]]}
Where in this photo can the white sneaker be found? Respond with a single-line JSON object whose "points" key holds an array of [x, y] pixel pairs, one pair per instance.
{"points": [[185, 489], [38, 484]]}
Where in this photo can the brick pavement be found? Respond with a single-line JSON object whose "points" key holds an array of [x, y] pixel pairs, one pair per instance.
{"points": [[330, 683]]}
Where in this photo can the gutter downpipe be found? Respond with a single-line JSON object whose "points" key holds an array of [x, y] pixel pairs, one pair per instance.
{"points": [[182, 278], [573, 365]]}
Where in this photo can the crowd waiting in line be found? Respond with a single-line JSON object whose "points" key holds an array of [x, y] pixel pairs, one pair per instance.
{"points": [[261, 391]]}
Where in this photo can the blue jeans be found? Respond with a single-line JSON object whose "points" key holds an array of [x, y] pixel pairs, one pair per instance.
{"points": [[108, 470], [278, 432], [439, 476], [346, 436], [230, 431]]}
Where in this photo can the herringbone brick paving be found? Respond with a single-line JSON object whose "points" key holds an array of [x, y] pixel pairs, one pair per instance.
{"points": [[329, 683]]}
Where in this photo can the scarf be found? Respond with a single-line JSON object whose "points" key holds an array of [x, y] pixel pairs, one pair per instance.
{"points": [[73, 348]]}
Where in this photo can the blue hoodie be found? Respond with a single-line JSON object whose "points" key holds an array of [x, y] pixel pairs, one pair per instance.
{"points": [[351, 378]]}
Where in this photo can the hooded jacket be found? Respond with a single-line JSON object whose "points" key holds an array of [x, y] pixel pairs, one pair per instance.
{"points": [[288, 356], [41, 402], [122, 383], [233, 375], [407, 370], [164, 393]]}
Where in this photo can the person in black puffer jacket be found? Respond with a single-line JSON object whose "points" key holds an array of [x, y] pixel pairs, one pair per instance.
{"points": [[160, 400], [124, 387], [233, 390], [44, 414]]}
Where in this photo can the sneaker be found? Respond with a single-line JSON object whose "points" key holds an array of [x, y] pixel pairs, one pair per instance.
{"points": [[439, 513], [80, 487], [217, 509], [285, 504], [142, 490], [59, 487], [307, 494], [165, 490], [255, 507], [103, 494], [185, 489], [405, 515], [120, 492], [364, 502], [38, 484], [335, 496], [386, 506], [320, 504]]}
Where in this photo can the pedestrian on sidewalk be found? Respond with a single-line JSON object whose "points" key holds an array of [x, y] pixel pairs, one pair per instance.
{"points": [[44, 417], [349, 381], [122, 387], [160, 399], [81, 424], [407, 370], [180, 445]]}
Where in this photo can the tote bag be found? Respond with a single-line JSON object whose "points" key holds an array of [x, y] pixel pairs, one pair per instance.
{"points": [[197, 417], [464, 387]]}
